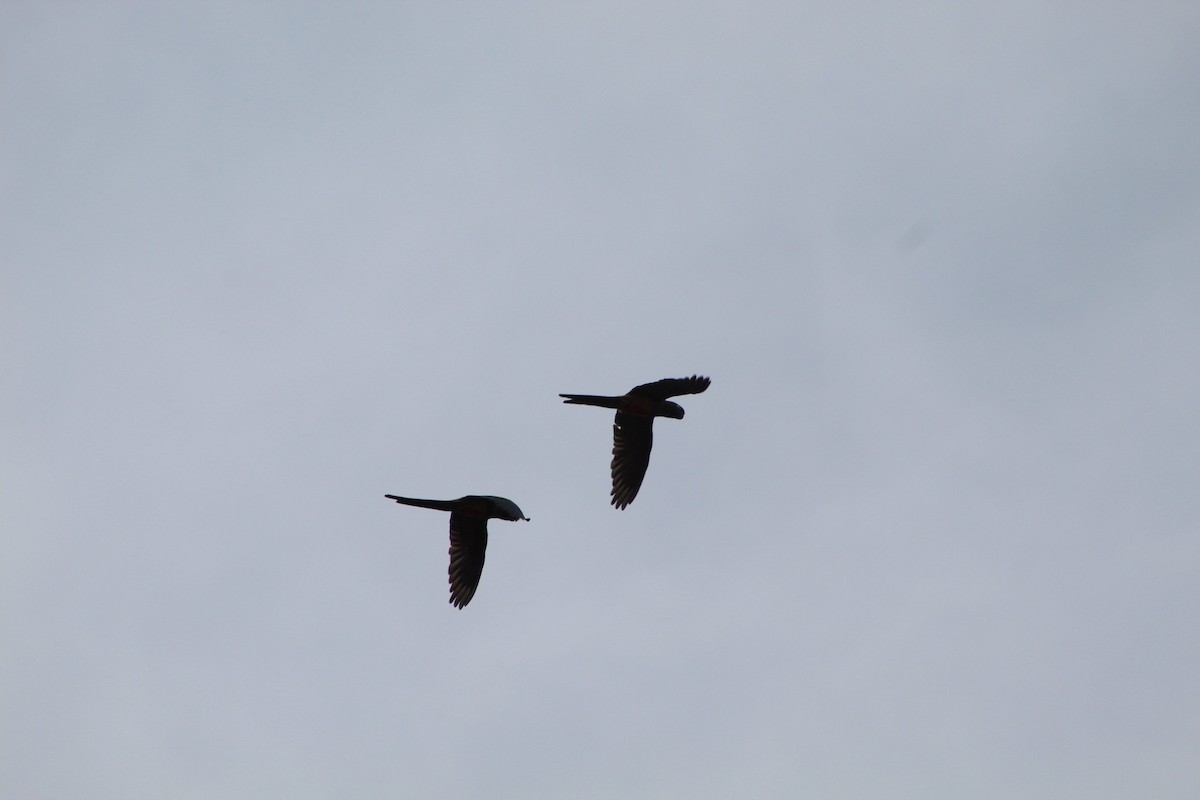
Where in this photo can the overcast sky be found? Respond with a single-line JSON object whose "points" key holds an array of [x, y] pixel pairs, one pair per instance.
{"points": [[933, 532]]}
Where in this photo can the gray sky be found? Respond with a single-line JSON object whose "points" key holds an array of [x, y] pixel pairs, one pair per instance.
{"points": [[932, 533]]}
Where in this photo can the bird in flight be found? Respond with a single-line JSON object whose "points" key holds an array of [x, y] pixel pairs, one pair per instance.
{"points": [[633, 432], [468, 536]]}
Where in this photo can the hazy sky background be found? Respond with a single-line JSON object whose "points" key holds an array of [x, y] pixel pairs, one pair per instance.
{"points": [[934, 532]]}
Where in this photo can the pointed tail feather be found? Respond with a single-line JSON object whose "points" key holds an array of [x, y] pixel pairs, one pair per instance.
{"points": [[440, 505]]}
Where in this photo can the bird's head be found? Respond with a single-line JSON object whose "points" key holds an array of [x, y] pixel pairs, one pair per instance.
{"points": [[670, 409], [503, 508]]}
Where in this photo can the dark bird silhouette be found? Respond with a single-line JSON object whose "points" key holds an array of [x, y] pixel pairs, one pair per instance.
{"points": [[633, 430], [468, 536]]}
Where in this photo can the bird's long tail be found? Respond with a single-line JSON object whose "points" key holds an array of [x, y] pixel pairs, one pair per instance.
{"points": [[440, 505], [592, 400]]}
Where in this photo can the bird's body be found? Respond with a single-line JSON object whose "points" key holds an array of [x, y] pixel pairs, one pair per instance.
{"points": [[468, 536], [633, 428]]}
